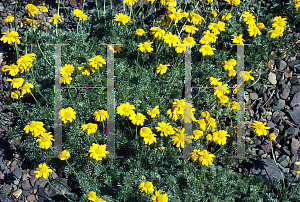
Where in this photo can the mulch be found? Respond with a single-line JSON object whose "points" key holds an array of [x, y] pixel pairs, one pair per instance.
{"points": [[278, 103]]}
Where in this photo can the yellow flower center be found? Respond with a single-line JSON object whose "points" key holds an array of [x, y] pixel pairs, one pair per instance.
{"points": [[67, 114], [221, 136], [146, 45], [146, 130], [172, 38], [181, 137], [147, 185], [138, 117], [42, 170], [260, 127], [206, 156], [125, 109], [90, 126], [98, 151], [45, 139], [33, 125]]}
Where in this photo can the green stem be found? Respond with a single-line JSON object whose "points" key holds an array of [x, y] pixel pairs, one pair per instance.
{"points": [[99, 77], [38, 103], [72, 169], [97, 8], [137, 61], [58, 191], [70, 96], [103, 126], [94, 137], [292, 192]]}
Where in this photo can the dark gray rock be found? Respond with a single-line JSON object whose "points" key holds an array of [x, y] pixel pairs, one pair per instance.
{"points": [[295, 89], [285, 170], [291, 130], [5, 198], [295, 144], [253, 96], [282, 65], [296, 100], [292, 181], [285, 91], [295, 80], [6, 189], [293, 63], [17, 173], [279, 105], [266, 168], [285, 149], [283, 160], [42, 195], [270, 124], [295, 114], [61, 185]]}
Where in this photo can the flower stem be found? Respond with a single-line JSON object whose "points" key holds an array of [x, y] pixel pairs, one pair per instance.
{"points": [[137, 61], [38, 103], [58, 191], [97, 8], [20, 115], [94, 137], [70, 96], [99, 78]]}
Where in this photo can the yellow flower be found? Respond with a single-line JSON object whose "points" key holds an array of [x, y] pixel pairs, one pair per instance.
{"points": [[10, 37], [31, 9], [91, 128], [98, 152], [206, 50], [35, 127], [164, 22], [176, 15], [208, 137], [145, 131], [214, 13], [180, 138], [25, 61], [210, 122], [197, 134], [97, 61], [43, 170], [201, 124], [246, 75], [190, 29], [205, 114], [213, 37], [189, 41], [238, 39], [67, 69], [125, 109], [153, 112], [165, 129], [64, 155], [234, 105], [100, 115], [161, 148], [16, 82], [159, 197], [195, 18], [157, 32], [16, 94], [139, 32], [276, 32], [26, 88], [67, 114], [233, 2], [226, 16], [259, 128], [253, 30], [220, 137], [45, 140], [55, 18], [80, 14], [171, 39], [260, 25], [272, 137], [66, 79], [130, 2], [223, 99], [86, 69], [203, 157], [43, 9], [92, 196], [147, 187], [221, 89], [248, 18], [298, 171], [149, 139], [145, 47], [137, 119], [297, 6], [162, 69], [9, 19], [120, 17], [117, 48], [180, 48], [12, 70], [217, 27], [171, 3]]}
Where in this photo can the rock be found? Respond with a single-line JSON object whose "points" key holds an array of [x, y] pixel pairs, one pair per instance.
{"points": [[253, 96], [5, 198], [54, 175], [17, 173], [295, 114], [294, 159], [285, 170], [295, 144], [261, 152], [266, 147], [279, 105], [286, 150], [31, 197], [294, 152], [33, 179], [272, 78], [41, 183], [270, 124], [17, 193], [283, 160], [60, 184], [295, 80], [293, 63], [25, 185], [292, 181], [282, 65], [2, 176], [24, 176], [296, 100], [6, 189], [266, 168], [285, 91], [295, 89]]}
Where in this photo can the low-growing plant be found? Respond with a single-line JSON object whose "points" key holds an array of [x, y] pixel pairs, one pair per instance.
{"points": [[149, 96]]}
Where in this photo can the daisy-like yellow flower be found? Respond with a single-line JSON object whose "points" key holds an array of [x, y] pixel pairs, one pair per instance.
{"points": [[189, 41], [246, 75], [180, 138], [248, 18], [66, 79], [298, 171], [210, 122], [206, 50], [90, 128], [238, 39], [12, 70], [234, 105], [190, 29], [195, 18], [259, 128], [26, 88], [171, 39], [201, 124], [214, 13], [97, 61], [159, 197], [176, 15], [213, 81], [35, 127], [153, 112], [226, 16], [275, 33], [10, 37], [171, 3], [9, 19], [221, 89], [130, 2], [149, 139], [86, 69], [253, 30], [43, 9], [145, 47], [25, 61], [162, 69], [98, 152], [64, 155], [16, 82], [231, 73], [67, 69], [203, 157], [100, 115], [43, 171], [212, 36], [157, 32], [137, 119], [197, 134], [55, 18], [80, 14], [139, 32], [165, 129], [16, 94], [297, 6], [205, 114], [125, 109], [180, 48], [220, 137], [116, 49], [31, 9], [147, 187], [272, 137], [217, 27], [145, 131], [208, 137], [45, 140], [67, 114], [120, 17], [223, 99], [233, 2]]}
